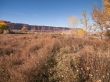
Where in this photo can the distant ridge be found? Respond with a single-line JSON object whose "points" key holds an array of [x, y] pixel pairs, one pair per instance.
{"points": [[18, 26]]}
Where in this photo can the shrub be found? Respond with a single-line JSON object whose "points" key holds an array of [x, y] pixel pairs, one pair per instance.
{"points": [[53, 59]]}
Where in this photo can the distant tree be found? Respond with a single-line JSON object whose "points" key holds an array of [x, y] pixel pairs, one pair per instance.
{"points": [[107, 6]]}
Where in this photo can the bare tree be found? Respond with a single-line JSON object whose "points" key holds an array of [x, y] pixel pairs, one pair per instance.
{"points": [[85, 20]]}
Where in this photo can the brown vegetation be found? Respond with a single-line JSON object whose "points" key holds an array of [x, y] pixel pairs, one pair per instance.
{"points": [[53, 58]]}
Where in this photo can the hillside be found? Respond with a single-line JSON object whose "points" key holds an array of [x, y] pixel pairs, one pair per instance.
{"points": [[18, 26]]}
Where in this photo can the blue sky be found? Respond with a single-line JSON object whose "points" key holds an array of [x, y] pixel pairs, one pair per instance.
{"points": [[45, 12]]}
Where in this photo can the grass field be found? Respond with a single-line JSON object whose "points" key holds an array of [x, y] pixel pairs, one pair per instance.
{"points": [[53, 58]]}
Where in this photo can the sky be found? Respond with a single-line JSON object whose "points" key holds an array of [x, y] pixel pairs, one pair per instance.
{"points": [[45, 12]]}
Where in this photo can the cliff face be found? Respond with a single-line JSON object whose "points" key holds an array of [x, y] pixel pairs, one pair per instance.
{"points": [[18, 26]]}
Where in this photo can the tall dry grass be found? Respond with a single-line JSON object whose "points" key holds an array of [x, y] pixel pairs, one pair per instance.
{"points": [[53, 58]]}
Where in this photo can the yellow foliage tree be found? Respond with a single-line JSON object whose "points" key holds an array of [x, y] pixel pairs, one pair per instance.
{"points": [[107, 6], [102, 18], [3, 27], [107, 10]]}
